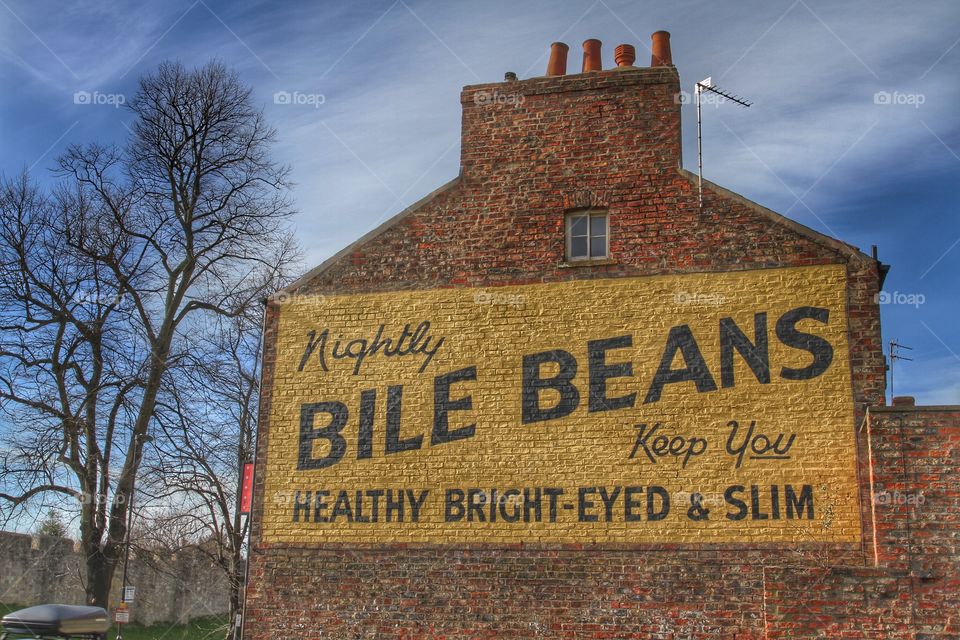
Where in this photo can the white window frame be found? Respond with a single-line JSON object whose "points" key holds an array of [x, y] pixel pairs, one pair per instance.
{"points": [[589, 214]]}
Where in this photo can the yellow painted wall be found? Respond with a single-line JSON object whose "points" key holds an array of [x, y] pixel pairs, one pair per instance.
{"points": [[492, 329]]}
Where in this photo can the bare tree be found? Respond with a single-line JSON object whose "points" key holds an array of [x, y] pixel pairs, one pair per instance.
{"points": [[206, 421], [105, 282]]}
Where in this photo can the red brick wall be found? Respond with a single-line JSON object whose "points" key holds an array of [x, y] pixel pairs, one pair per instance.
{"points": [[914, 592], [916, 490], [532, 150], [916, 461]]}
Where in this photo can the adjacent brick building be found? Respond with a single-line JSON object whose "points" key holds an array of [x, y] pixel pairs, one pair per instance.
{"points": [[562, 397]]}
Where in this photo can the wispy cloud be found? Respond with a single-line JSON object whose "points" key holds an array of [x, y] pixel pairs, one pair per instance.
{"points": [[390, 73]]}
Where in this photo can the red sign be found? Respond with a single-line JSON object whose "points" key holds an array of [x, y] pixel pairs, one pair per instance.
{"points": [[246, 494]]}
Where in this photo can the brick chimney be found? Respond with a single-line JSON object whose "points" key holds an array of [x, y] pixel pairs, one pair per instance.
{"points": [[573, 130]]}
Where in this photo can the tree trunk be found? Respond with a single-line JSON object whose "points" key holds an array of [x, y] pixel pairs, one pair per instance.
{"points": [[236, 604], [100, 570], [237, 579]]}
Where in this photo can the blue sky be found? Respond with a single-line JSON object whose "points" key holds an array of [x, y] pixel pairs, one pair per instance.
{"points": [[854, 129]]}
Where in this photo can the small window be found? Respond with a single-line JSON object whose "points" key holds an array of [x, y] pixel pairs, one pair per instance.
{"points": [[587, 236]]}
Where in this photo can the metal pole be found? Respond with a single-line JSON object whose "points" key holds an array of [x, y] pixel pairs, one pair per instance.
{"points": [[241, 520], [126, 552], [895, 355], [707, 85], [699, 147], [891, 370], [253, 493]]}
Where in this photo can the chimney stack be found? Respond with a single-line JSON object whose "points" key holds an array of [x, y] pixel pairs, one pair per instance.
{"points": [[559, 115], [557, 66], [625, 55], [661, 49], [591, 55]]}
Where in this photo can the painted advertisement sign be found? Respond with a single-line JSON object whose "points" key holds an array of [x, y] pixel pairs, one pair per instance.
{"points": [[693, 408]]}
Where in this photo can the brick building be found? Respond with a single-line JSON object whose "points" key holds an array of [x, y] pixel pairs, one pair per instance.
{"points": [[561, 396]]}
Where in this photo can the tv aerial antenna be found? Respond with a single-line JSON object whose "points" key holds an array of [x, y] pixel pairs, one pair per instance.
{"points": [[707, 85], [894, 355]]}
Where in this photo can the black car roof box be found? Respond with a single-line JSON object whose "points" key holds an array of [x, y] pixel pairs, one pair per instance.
{"points": [[57, 619]]}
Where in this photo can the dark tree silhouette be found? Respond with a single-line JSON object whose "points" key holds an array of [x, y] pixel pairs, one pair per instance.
{"points": [[107, 281]]}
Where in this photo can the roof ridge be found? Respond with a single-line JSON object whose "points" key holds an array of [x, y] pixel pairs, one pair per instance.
{"points": [[778, 218], [370, 235]]}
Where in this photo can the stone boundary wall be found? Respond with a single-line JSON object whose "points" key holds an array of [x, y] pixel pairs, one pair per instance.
{"points": [[173, 588]]}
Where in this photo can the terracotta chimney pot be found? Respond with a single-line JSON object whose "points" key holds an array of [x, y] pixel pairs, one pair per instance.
{"points": [[661, 49], [591, 55], [625, 55], [557, 66]]}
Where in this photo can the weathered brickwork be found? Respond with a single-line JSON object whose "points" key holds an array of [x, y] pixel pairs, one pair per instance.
{"points": [[915, 461], [912, 589], [605, 140]]}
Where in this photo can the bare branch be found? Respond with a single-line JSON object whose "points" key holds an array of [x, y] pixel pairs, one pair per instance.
{"points": [[122, 290]]}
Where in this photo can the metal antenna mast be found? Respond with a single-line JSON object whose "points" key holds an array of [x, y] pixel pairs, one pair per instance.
{"points": [[894, 345], [707, 85]]}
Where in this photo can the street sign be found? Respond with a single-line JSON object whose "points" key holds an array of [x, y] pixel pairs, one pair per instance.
{"points": [[246, 495]]}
